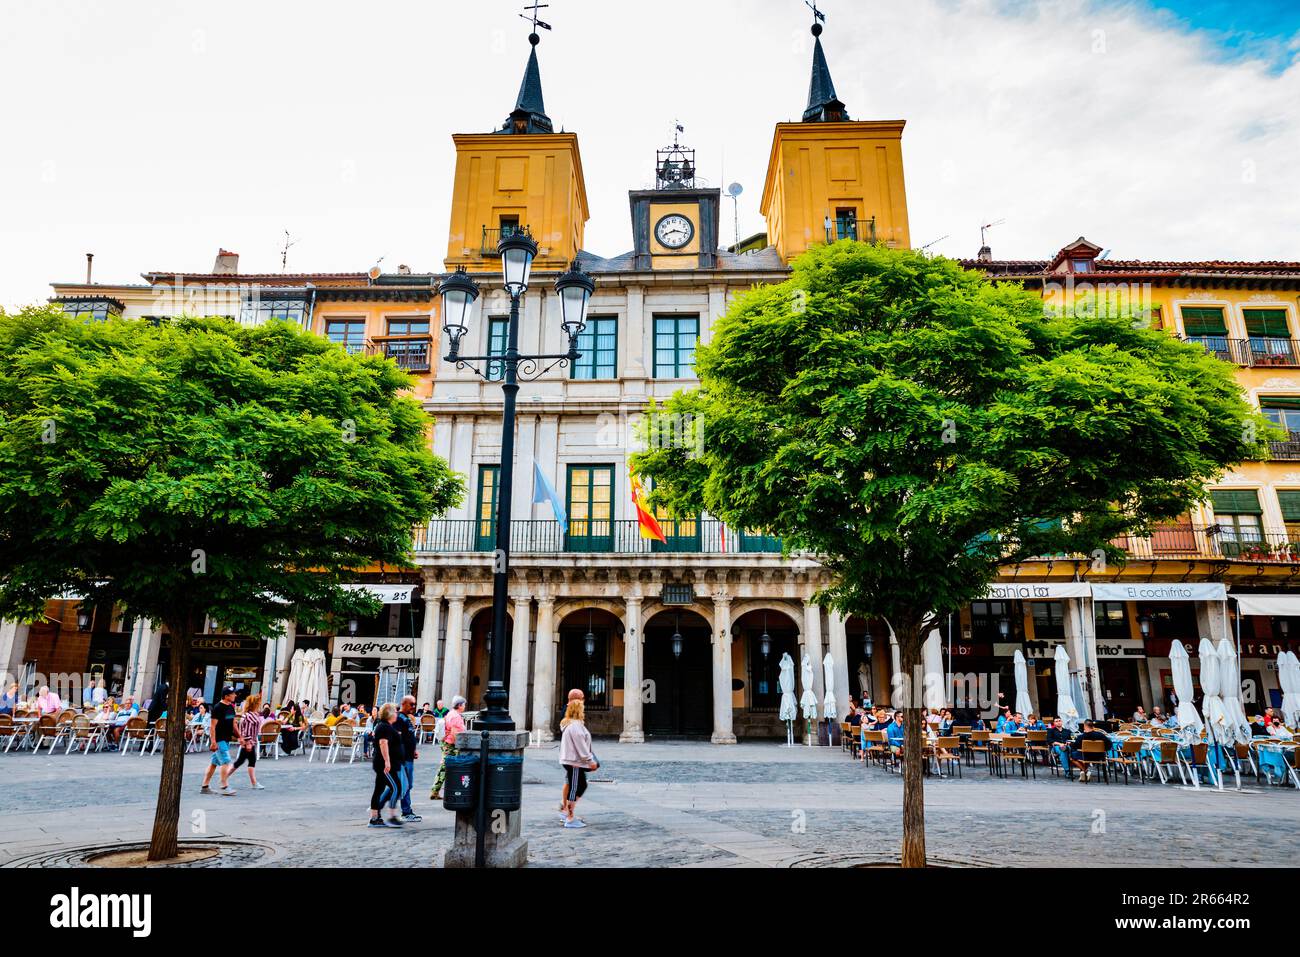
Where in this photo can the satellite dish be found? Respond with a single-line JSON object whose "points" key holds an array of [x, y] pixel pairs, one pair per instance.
{"points": [[734, 190], [374, 273]]}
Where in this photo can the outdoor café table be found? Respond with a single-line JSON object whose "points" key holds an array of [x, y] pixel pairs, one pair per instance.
{"points": [[996, 764], [1272, 758], [28, 724]]}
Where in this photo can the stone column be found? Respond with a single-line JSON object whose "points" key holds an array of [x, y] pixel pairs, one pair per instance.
{"points": [[519, 662], [427, 682], [13, 648], [839, 647], [812, 627], [452, 648], [285, 645], [722, 733], [633, 652], [544, 670]]}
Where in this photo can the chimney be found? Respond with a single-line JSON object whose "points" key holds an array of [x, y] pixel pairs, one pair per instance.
{"points": [[403, 270], [985, 255], [227, 263], [90, 258]]}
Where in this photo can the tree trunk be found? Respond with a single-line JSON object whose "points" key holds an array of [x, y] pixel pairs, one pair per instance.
{"points": [[167, 816], [909, 641]]}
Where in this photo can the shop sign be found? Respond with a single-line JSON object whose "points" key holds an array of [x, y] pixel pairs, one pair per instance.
{"points": [[1161, 591], [375, 648], [1121, 648], [1041, 591], [1270, 648], [220, 643], [966, 649]]}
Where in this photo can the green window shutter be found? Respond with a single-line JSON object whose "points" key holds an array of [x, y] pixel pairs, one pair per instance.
{"points": [[1289, 499], [1234, 501], [1279, 401], [1267, 323], [1204, 321]]}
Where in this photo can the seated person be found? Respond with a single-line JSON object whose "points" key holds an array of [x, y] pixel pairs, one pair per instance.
{"points": [[1034, 723], [1015, 724], [1277, 730], [1140, 716], [1004, 717], [335, 716], [1090, 732], [978, 724], [894, 733], [1258, 726]]}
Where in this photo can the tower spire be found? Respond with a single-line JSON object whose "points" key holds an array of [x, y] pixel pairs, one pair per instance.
{"points": [[529, 114], [823, 105]]}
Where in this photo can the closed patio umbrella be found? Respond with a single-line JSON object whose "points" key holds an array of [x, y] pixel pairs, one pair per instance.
{"points": [[789, 707], [808, 700], [1023, 704], [1238, 724], [318, 690], [1288, 674], [1180, 668], [1065, 707], [1216, 717], [932, 655], [293, 684], [830, 707]]}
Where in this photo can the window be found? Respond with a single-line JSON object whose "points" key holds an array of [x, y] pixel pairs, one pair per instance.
{"points": [[498, 336], [1289, 500], [846, 224], [986, 618], [1049, 619], [675, 338], [591, 508], [683, 534], [1110, 619], [598, 348], [1081, 265], [408, 327], [1236, 513], [1202, 322], [1282, 410], [257, 310], [485, 510], [1270, 337], [95, 310], [348, 333]]}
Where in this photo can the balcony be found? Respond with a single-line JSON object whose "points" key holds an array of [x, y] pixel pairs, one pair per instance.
{"points": [[1215, 542], [620, 537], [493, 236], [860, 230], [1256, 352], [1287, 450], [411, 353]]}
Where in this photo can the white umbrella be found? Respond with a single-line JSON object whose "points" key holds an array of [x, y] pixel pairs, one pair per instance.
{"points": [[830, 707], [789, 708], [1180, 667], [1216, 717], [318, 691], [808, 700], [1023, 704], [1288, 674], [293, 684], [1065, 707], [932, 694], [1238, 723]]}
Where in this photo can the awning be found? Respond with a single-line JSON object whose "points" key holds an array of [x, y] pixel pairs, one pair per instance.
{"points": [[1281, 605], [388, 594], [1161, 591], [1043, 591]]}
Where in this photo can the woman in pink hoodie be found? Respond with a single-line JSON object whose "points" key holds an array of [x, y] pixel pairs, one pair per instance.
{"points": [[576, 758]]}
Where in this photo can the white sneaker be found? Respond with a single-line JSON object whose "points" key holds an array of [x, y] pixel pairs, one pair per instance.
{"points": [[227, 792], [258, 787]]}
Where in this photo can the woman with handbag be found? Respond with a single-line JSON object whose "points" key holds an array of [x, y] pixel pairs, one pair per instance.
{"points": [[577, 758]]}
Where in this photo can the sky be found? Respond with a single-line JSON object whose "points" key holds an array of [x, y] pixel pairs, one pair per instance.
{"points": [[152, 133]]}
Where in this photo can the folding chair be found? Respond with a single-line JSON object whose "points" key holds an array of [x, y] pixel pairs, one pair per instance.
{"points": [[1128, 756], [85, 734], [877, 750], [979, 744], [1015, 749], [345, 736], [947, 751]]}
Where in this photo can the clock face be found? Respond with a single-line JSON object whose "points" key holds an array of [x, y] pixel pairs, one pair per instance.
{"points": [[674, 231]]}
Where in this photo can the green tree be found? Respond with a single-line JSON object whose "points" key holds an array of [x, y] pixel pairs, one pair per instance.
{"points": [[915, 426], [198, 467]]}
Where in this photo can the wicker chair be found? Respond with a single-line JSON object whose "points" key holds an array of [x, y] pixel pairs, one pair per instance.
{"points": [[268, 738], [1094, 754], [86, 734], [345, 736], [1128, 759], [47, 732], [322, 739], [136, 731]]}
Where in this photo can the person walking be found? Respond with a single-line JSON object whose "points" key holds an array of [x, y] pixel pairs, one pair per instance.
{"points": [[575, 694], [577, 758], [250, 729], [453, 724], [223, 733], [387, 763], [410, 753]]}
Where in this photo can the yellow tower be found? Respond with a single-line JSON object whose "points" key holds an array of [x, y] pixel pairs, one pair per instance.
{"points": [[522, 176], [831, 178]]}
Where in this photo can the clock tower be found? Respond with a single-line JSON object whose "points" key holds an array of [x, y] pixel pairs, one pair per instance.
{"points": [[675, 225]]}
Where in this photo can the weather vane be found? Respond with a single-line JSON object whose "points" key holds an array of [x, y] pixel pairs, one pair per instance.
{"points": [[817, 14], [533, 16]]}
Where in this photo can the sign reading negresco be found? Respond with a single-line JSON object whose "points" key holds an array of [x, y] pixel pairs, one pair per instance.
{"points": [[1171, 591]]}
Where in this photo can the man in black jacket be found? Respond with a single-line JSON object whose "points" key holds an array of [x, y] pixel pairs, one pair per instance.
{"points": [[406, 727], [1058, 739], [1089, 733]]}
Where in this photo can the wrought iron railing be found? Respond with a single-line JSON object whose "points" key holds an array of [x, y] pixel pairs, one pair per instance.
{"points": [[1257, 351], [410, 353], [1286, 449], [493, 235], [619, 537], [1223, 542], [861, 230]]}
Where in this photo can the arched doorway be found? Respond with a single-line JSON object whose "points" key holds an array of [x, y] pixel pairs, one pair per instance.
{"points": [[478, 660], [764, 635], [679, 667], [586, 662]]}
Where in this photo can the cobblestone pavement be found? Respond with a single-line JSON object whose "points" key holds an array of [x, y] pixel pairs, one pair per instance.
{"points": [[663, 805]]}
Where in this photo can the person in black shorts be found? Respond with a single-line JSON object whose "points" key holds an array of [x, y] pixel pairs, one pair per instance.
{"points": [[387, 762]]}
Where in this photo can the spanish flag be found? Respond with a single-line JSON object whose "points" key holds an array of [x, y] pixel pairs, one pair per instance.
{"points": [[650, 527]]}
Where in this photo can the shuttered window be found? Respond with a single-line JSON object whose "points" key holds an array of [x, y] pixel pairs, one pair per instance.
{"points": [[1204, 321], [1235, 502], [1289, 499], [1267, 323]]}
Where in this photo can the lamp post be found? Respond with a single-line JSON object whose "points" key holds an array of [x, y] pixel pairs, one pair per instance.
{"points": [[458, 292]]}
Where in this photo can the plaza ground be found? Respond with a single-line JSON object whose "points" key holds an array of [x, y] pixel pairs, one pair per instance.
{"points": [[659, 805]]}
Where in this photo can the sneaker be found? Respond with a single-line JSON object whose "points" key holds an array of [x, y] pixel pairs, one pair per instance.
{"points": [[576, 822], [227, 792], [394, 822], [564, 818], [258, 787], [377, 822], [205, 790], [412, 818]]}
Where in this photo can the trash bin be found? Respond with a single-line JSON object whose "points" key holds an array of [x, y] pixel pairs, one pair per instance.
{"points": [[460, 792], [505, 782]]}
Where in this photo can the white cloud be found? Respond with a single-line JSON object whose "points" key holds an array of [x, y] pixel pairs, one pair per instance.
{"points": [[153, 133]]}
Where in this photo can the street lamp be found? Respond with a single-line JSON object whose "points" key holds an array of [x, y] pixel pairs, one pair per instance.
{"points": [[677, 638], [589, 642], [1144, 624], [1004, 627], [83, 619], [458, 290], [765, 640], [352, 626]]}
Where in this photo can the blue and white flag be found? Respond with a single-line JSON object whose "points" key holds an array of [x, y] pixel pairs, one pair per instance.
{"points": [[544, 491]]}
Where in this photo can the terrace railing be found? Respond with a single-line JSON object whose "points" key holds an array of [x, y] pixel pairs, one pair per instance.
{"points": [[618, 537]]}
